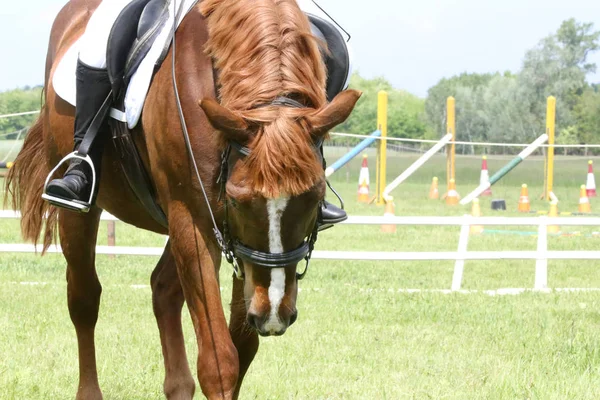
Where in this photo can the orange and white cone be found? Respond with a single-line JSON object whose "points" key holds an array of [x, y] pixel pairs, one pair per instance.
{"points": [[484, 178], [584, 201], [476, 212], [363, 182], [452, 195], [590, 185], [553, 214], [524, 205], [389, 212], [434, 192]]}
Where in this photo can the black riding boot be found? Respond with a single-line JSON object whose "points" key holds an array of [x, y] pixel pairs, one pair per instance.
{"points": [[75, 187], [329, 214]]}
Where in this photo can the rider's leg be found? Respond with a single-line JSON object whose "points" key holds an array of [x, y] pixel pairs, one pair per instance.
{"points": [[329, 214], [93, 87]]}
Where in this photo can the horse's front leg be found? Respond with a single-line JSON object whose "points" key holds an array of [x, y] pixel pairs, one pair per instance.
{"points": [[78, 240], [244, 337], [198, 257], [167, 302]]}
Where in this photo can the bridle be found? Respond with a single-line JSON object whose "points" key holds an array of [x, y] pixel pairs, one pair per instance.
{"points": [[234, 248]]}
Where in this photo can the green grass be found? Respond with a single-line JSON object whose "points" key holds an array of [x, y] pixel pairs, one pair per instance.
{"points": [[357, 336]]}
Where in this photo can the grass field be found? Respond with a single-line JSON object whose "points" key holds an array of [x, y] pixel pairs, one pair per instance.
{"points": [[358, 335]]}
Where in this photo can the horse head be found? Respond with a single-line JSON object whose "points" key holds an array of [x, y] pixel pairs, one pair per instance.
{"points": [[272, 192]]}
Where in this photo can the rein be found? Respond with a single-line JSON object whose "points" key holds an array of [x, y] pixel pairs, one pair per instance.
{"points": [[233, 249]]}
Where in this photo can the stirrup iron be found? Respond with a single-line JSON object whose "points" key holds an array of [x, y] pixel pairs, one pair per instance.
{"points": [[73, 205]]}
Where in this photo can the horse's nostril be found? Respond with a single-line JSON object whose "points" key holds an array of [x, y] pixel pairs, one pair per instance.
{"points": [[252, 320], [293, 318]]}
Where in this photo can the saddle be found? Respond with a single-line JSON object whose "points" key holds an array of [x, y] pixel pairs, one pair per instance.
{"points": [[131, 38]]}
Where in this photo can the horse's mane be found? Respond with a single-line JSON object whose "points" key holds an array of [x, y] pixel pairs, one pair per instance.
{"points": [[264, 49]]}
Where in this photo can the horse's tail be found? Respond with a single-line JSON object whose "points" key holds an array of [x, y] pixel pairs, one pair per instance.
{"points": [[25, 184]]}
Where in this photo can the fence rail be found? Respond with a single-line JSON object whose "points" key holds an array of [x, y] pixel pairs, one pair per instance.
{"points": [[541, 254]]}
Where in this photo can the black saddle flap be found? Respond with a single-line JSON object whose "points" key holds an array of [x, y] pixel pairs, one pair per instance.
{"points": [[338, 59]]}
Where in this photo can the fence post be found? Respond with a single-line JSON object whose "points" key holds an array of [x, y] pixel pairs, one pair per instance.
{"points": [[541, 264], [550, 128], [382, 104], [459, 265], [451, 128]]}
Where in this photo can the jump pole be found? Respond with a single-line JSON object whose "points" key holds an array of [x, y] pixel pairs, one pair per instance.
{"points": [[382, 104], [417, 164], [352, 153], [506, 169]]}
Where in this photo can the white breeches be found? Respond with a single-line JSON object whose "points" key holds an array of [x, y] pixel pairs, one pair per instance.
{"points": [[95, 38]]}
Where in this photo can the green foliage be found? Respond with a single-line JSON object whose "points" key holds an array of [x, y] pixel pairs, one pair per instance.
{"points": [[587, 115], [512, 107], [16, 101], [466, 99], [405, 111]]}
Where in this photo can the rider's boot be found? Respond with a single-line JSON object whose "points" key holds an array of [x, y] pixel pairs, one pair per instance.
{"points": [[73, 191], [329, 214]]}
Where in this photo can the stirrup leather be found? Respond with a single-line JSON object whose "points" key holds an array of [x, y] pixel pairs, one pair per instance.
{"points": [[73, 205]]}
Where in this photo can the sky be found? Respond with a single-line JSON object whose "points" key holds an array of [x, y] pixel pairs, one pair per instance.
{"points": [[413, 44]]}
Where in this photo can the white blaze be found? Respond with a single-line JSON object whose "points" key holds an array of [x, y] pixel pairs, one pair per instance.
{"points": [[275, 209]]}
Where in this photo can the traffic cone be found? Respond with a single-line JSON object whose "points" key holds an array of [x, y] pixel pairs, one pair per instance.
{"points": [[476, 212], [363, 182], [389, 212], [584, 201], [434, 193], [484, 178], [524, 205], [553, 214], [590, 185], [452, 195]]}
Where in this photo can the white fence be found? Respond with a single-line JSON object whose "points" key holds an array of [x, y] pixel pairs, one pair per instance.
{"points": [[541, 254]]}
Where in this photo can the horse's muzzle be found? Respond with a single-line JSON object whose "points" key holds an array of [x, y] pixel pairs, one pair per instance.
{"points": [[265, 327]]}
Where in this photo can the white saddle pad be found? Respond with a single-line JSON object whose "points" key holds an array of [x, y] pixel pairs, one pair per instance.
{"points": [[64, 77]]}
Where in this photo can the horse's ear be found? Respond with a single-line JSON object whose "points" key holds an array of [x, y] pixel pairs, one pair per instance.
{"points": [[224, 120], [335, 112]]}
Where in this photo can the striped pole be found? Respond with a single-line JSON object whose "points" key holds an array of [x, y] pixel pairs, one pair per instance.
{"points": [[352, 153], [506, 169], [417, 164]]}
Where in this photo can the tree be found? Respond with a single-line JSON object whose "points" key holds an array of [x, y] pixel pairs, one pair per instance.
{"points": [[16, 101], [587, 116], [405, 111], [507, 112], [558, 67], [435, 105]]}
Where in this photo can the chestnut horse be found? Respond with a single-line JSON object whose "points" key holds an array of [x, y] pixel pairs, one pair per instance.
{"points": [[263, 50]]}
